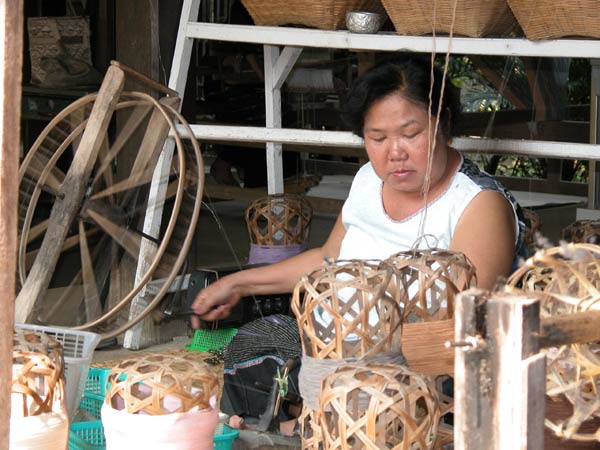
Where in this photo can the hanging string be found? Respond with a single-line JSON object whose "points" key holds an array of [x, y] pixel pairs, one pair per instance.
{"points": [[432, 143]]}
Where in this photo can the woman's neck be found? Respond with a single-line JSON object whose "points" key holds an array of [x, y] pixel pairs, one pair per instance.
{"points": [[400, 205]]}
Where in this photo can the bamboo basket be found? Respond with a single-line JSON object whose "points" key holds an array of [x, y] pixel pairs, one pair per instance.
{"points": [[569, 280], [474, 18], [549, 19], [425, 282], [325, 14], [279, 220], [533, 226], [378, 406], [157, 384], [345, 311], [582, 231]]}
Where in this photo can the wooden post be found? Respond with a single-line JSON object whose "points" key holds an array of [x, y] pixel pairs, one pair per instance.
{"points": [[519, 369], [277, 68], [11, 34], [500, 374], [473, 420]]}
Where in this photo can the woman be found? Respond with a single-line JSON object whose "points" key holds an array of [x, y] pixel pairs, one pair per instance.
{"points": [[404, 194]]}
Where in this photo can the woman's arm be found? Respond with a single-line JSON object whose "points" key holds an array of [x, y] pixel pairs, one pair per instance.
{"points": [[216, 300], [486, 234]]}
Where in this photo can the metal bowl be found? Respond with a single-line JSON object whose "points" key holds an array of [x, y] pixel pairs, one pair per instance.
{"points": [[363, 22]]}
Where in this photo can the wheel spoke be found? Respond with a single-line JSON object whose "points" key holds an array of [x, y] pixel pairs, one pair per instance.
{"points": [[134, 180], [69, 243], [128, 240], [90, 289], [132, 123]]}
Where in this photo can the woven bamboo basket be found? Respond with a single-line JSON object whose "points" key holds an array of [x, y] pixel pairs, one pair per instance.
{"points": [[569, 280], [345, 311], [533, 226], [310, 431], [549, 19], [425, 282], [279, 220], [474, 18], [37, 385], [25, 340], [325, 14], [158, 384], [582, 231], [378, 406]]}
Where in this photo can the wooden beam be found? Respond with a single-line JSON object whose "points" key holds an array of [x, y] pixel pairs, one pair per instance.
{"points": [[73, 190], [577, 328], [11, 54], [518, 372]]}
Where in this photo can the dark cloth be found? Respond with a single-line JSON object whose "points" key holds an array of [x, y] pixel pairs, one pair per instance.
{"points": [[253, 356]]}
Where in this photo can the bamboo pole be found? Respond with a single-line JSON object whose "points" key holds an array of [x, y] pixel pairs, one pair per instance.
{"points": [[11, 34]]}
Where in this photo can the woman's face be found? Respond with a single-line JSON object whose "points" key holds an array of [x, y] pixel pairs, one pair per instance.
{"points": [[395, 133]]}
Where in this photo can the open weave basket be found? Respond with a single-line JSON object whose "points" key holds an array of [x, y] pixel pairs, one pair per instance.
{"points": [[157, 384], [569, 278], [37, 385], [323, 14], [548, 19], [345, 311], [533, 226], [378, 406], [425, 282], [474, 18], [279, 220], [582, 231]]}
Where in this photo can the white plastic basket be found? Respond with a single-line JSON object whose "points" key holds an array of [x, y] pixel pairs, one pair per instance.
{"points": [[78, 348]]}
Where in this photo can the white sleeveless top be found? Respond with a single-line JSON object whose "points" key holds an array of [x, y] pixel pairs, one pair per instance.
{"points": [[372, 234]]}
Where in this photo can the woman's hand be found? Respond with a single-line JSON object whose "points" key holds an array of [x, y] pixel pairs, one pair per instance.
{"points": [[214, 302]]}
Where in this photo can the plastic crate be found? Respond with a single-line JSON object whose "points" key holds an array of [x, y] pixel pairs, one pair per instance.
{"points": [[225, 439], [91, 405], [206, 340], [78, 349], [87, 436], [95, 384]]}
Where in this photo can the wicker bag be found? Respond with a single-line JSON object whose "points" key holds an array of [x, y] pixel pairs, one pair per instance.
{"points": [[548, 19], [474, 18], [325, 15]]}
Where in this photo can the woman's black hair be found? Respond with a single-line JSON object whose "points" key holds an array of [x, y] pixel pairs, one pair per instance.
{"points": [[410, 77]]}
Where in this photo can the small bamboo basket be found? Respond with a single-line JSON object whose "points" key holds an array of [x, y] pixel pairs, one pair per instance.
{"points": [[279, 220], [582, 231], [325, 14], [549, 19], [569, 279], [378, 406], [474, 18], [533, 227], [158, 384], [426, 282], [37, 385], [37, 374], [345, 311]]}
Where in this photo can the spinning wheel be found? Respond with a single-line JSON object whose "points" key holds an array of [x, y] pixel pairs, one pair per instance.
{"points": [[84, 195]]}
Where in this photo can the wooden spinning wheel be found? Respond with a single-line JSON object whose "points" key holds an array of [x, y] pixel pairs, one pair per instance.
{"points": [[85, 188]]}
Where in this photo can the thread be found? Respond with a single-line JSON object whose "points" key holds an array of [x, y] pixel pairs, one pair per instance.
{"points": [[314, 370], [268, 254]]}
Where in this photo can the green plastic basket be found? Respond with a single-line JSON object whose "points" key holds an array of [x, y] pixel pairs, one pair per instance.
{"points": [[224, 440], [95, 384], [206, 340], [87, 436], [91, 405]]}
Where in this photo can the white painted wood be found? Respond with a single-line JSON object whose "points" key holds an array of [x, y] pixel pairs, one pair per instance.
{"points": [[182, 54], [347, 139], [273, 120], [145, 332], [284, 65], [298, 37]]}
